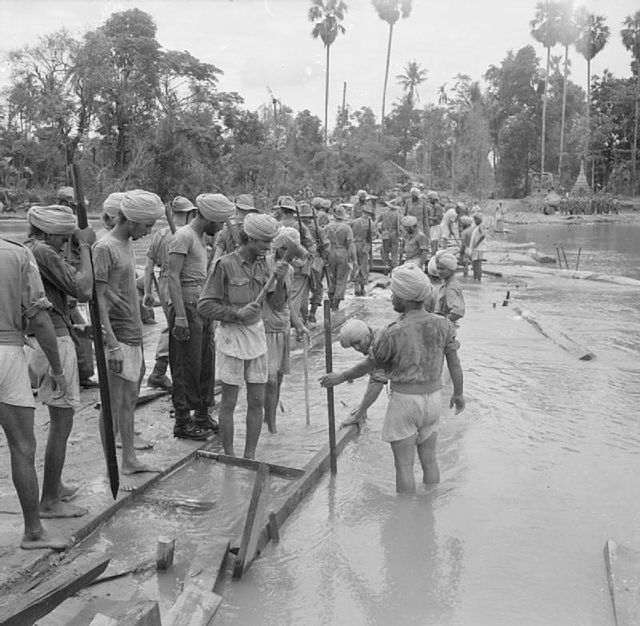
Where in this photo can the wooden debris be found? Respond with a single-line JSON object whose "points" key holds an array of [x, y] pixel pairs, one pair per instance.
{"points": [[623, 574], [165, 548], [140, 614], [282, 471], [194, 607]]}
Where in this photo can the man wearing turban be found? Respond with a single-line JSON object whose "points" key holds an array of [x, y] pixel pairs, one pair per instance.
{"points": [[229, 296], [357, 335], [416, 206], [182, 210], [449, 299], [416, 243], [115, 275], [190, 342], [50, 228], [111, 208], [412, 351], [227, 239]]}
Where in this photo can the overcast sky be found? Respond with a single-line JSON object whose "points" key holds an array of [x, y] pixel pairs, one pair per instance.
{"points": [[260, 43]]}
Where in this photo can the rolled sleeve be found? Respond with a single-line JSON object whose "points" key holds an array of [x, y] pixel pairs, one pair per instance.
{"points": [[102, 263], [455, 301]]}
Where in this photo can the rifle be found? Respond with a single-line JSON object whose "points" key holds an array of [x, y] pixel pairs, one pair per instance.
{"points": [[370, 237], [98, 342]]}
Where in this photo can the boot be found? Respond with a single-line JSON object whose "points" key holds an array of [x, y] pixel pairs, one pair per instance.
{"points": [[158, 377], [312, 313], [205, 422], [186, 429]]}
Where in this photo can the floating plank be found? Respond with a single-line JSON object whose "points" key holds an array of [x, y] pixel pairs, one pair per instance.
{"points": [[50, 593], [140, 614], [623, 574], [255, 521], [194, 607], [281, 471], [207, 568]]}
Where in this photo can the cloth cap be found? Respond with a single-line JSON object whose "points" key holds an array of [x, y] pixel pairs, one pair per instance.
{"points": [[432, 268], [317, 201], [340, 212], [142, 206], [215, 207], [415, 192], [353, 331], [361, 193], [244, 202], [305, 209], [410, 283], [66, 193], [180, 204], [409, 220], [112, 203], [432, 195], [287, 203], [53, 220], [260, 226], [286, 232], [446, 259]]}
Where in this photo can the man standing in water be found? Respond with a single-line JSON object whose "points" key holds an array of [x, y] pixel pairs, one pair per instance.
{"points": [[229, 296], [449, 299], [22, 299], [412, 351], [115, 275], [50, 228]]}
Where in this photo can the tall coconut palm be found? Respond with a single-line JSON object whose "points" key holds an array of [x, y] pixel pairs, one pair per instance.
{"points": [[631, 40], [413, 76], [327, 15], [567, 34], [544, 29], [390, 11], [593, 34]]}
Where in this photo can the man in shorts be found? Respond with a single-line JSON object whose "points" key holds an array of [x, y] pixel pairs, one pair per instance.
{"points": [[50, 228], [229, 296], [412, 351], [449, 299], [22, 298], [115, 275]]}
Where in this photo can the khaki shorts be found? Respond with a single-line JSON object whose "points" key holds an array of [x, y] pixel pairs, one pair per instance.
{"points": [[15, 387], [132, 363], [411, 414], [40, 373], [278, 349], [233, 371]]}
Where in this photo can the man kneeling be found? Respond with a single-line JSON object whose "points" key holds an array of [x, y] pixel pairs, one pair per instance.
{"points": [[412, 350]]}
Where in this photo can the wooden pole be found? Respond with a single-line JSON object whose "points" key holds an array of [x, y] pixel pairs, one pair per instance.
{"points": [[165, 549], [305, 357], [578, 259], [328, 358]]}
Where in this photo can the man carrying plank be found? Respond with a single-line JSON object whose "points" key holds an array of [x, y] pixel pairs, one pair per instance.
{"points": [[22, 298], [50, 228], [115, 275], [412, 351], [229, 296], [190, 342]]}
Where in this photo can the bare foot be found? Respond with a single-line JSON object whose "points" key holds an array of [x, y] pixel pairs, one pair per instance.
{"points": [[68, 492], [138, 468], [43, 541], [62, 509], [138, 444]]}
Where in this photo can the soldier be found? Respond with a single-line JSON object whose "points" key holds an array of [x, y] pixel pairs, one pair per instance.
{"points": [[341, 252], [388, 226], [359, 207], [416, 206], [227, 239], [416, 244], [434, 218], [363, 229], [318, 259]]}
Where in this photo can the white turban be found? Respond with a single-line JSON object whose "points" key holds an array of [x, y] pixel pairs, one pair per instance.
{"points": [[286, 232], [215, 207], [112, 203], [353, 331], [141, 206], [66, 193], [259, 226], [410, 283], [415, 191], [409, 220], [432, 268], [53, 220], [446, 259]]}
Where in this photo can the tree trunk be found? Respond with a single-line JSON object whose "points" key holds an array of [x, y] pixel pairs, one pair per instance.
{"points": [[564, 107], [326, 101], [386, 76], [588, 142], [634, 152], [544, 114]]}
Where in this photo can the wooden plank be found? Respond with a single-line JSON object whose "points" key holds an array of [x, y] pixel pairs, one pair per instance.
{"points": [[254, 523], [194, 607], [623, 574], [206, 569], [282, 471], [51, 592], [103, 620]]}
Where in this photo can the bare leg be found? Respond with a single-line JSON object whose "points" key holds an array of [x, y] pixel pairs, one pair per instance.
{"points": [[60, 423], [225, 416], [17, 423], [272, 398], [404, 452], [255, 412], [428, 460]]}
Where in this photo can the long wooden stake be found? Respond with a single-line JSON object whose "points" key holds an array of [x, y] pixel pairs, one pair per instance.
{"points": [[305, 357], [565, 256], [328, 358], [578, 259]]}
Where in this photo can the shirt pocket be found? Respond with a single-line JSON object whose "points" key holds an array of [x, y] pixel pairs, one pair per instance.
{"points": [[239, 291]]}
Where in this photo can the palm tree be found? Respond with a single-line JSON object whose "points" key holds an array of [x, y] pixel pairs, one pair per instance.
{"points": [[592, 37], [327, 15], [544, 30], [390, 11], [631, 40], [567, 34], [413, 76]]}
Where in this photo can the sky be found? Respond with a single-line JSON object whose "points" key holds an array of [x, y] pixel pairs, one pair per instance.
{"points": [[266, 44]]}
